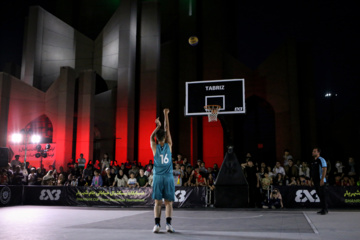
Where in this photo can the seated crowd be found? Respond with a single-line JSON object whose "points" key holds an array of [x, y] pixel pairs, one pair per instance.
{"points": [[264, 179], [107, 173]]}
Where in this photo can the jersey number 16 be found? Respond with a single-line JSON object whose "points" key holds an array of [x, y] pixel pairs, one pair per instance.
{"points": [[164, 159]]}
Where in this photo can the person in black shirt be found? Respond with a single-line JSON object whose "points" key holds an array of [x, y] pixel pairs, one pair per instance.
{"points": [[252, 179], [318, 174]]}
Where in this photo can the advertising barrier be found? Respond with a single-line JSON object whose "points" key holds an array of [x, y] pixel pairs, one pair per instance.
{"points": [[11, 195], [185, 197], [102, 196], [337, 197]]}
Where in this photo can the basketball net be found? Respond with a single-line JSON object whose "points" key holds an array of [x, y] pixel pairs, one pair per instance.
{"points": [[212, 111]]}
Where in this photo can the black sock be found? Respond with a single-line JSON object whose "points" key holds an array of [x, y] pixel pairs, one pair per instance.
{"points": [[168, 220], [157, 221]]}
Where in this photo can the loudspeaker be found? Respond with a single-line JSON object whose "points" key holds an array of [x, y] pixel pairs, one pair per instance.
{"points": [[4, 157]]}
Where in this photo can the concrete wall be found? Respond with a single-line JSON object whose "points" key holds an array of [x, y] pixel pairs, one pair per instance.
{"points": [[149, 66], [49, 44], [26, 103]]}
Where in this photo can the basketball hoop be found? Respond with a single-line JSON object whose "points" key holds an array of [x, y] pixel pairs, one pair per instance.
{"points": [[212, 111]]}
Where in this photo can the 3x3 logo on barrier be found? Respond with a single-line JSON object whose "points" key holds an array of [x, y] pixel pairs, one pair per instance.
{"points": [[48, 194], [304, 195], [180, 195]]}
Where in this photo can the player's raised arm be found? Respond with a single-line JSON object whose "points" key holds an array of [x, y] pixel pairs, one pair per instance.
{"points": [[167, 127], [152, 136]]}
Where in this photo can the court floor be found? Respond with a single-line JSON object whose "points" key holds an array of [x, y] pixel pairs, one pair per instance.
{"points": [[43, 222]]}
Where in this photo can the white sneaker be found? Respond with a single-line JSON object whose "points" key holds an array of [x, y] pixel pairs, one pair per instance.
{"points": [[169, 228], [156, 228]]}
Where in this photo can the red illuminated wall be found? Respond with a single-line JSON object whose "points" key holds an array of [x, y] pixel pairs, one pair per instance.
{"points": [[213, 143]]}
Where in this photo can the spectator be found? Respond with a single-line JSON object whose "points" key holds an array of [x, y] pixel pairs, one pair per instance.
{"points": [[16, 161], [178, 175], [48, 178], [279, 180], [97, 179], [108, 179], [339, 168], [134, 170], [3, 177], [304, 181], [186, 177], [125, 170], [61, 180], [304, 170], [88, 171], [203, 169], [25, 173], [211, 182], [88, 181], [271, 174], [142, 179], [74, 181], [32, 177], [266, 182], [120, 179], [338, 181], [215, 170], [201, 181], [81, 161], [292, 182], [275, 200], [148, 170], [351, 169], [105, 162], [253, 181], [179, 159], [76, 171], [68, 181], [151, 179], [132, 182], [278, 169], [286, 157], [185, 162], [17, 176], [346, 181], [291, 171]]}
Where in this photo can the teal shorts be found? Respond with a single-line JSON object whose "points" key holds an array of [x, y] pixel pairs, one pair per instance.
{"points": [[163, 187]]}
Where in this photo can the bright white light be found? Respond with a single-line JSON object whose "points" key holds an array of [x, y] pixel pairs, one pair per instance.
{"points": [[328, 95], [16, 137], [35, 138]]}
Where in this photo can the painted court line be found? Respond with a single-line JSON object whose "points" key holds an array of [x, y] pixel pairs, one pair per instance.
{"points": [[311, 224]]}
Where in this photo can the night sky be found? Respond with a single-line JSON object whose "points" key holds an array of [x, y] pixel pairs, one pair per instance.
{"points": [[331, 28]]}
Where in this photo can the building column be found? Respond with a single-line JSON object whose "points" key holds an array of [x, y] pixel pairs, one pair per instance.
{"points": [[85, 120]]}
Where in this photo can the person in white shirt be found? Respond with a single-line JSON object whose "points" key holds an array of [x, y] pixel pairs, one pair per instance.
{"points": [[81, 161], [278, 169], [16, 161]]}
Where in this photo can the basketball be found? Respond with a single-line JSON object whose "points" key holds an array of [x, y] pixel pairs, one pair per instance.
{"points": [[193, 41]]}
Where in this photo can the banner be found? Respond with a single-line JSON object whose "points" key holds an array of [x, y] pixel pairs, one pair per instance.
{"points": [[31, 151], [132, 197], [337, 197], [11, 195]]}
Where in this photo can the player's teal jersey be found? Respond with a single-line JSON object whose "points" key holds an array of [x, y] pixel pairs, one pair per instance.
{"points": [[163, 160]]}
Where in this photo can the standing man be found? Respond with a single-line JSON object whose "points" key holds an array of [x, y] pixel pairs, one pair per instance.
{"points": [[81, 161], [163, 182], [318, 173]]}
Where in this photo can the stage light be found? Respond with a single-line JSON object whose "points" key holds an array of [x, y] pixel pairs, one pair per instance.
{"points": [[328, 95], [35, 138], [16, 137]]}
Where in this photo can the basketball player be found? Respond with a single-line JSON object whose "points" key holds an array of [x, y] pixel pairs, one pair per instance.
{"points": [[163, 181]]}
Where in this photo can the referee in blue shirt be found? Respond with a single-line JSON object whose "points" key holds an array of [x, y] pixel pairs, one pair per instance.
{"points": [[318, 174]]}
